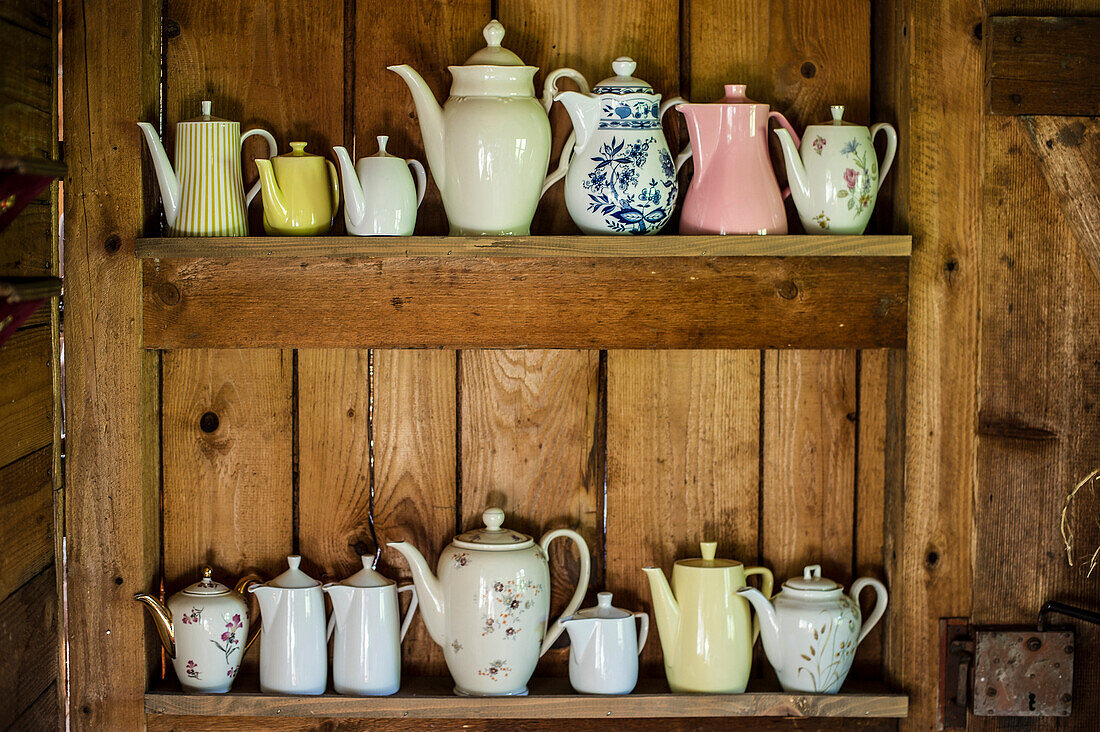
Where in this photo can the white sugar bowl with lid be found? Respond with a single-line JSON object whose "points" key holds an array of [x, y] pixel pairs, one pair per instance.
{"points": [[811, 629], [604, 646], [367, 630], [293, 642], [489, 605], [204, 630]]}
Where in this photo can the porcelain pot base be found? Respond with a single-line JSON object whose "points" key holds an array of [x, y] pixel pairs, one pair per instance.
{"points": [[459, 691], [199, 690]]}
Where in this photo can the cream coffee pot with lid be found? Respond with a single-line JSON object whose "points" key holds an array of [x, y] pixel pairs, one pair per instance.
{"points": [[811, 629], [204, 195], [488, 146], [204, 629], [705, 629], [367, 630], [604, 647], [489, 605], [293, 642]]}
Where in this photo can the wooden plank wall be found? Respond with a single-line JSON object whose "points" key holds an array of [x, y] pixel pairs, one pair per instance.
{"points": [[766, 453], [29, 422]]}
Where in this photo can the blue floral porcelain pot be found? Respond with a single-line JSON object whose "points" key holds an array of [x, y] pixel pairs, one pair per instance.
{"points": [[622, 179]]}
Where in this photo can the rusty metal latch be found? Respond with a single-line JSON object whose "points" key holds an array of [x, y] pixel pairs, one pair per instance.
{"points": [[1007, 671]]}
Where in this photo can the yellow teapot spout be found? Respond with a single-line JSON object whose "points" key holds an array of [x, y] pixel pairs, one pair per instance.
{"points": [[666, 610], [162, 618], [275, 208]]}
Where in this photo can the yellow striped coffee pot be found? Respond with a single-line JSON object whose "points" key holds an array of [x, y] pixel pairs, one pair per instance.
{"points": [[204, 195]]}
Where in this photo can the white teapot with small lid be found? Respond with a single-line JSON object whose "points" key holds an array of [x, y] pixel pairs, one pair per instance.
{"points": [[811, 629], [489, 605], [293, 642], [604, 648], [380, 197], [366, 651]]}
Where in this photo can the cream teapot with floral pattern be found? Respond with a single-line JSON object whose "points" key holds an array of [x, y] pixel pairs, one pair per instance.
{"points": [[811, 629], [489, 605]]}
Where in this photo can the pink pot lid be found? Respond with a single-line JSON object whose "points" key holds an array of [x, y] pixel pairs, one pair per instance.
{"points": [[207, 585], [493, 537]]}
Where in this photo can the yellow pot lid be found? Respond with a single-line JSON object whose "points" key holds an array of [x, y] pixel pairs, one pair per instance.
{"points": [[298, 150], [707, 560]]}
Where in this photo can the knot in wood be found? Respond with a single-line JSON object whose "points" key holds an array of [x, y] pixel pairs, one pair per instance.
{"points": [[168, 294], [787, 289]]}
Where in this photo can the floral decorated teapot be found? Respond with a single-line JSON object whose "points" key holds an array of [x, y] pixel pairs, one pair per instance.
{"points": [[621, 179], [204, 630], [489, 605], [835, 176], [811, 629]]}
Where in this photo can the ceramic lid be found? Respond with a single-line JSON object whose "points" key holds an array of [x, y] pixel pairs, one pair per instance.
{"points": [[707, 561], [837, 111], [623, 82], [367, 576], [811, 581], [602, 610], [298, 150], [206, 586], [493, 54], [205, 116], [382, 140], [492, 537], [293, 578]]}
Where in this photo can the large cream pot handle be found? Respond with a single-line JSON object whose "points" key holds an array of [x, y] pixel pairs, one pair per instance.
{"points": [[556, 628], [549, 91], [272, 150], [767, 581]]}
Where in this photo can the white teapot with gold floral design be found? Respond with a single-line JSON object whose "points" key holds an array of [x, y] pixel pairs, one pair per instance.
{"points": [[489, 605], [811, 629]]}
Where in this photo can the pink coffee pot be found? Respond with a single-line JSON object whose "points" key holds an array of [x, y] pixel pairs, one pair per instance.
{"points": [[733, 189]]}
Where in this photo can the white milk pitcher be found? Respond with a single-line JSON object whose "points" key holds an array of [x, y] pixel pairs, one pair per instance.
{"points": [[366, 655], [293, 646], [603, 649]]}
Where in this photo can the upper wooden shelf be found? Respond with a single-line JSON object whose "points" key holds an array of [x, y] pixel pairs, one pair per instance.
{"points": [[664, 292], [550, 698]]}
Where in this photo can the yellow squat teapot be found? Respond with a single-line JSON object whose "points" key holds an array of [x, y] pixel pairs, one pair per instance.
{"points": [[705, 628], [301, 192]]}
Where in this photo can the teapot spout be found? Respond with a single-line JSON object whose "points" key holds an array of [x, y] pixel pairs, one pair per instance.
{"points": [[584, 111], [769, 628], [275, 208], [666, 609], [796, 171], [580, 632], [166, 176], [341, 602], [355, 203], [162, 618], [430, 115], [428, 590]]}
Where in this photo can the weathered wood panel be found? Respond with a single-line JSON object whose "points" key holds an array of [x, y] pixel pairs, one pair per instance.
{"points": [[28, 104], [682, 465], [26, 519], [44, 713], [28, 640], [27, 245], [227, 454], [1043, 65], [672, 302], [26, 393], [108, 550]]}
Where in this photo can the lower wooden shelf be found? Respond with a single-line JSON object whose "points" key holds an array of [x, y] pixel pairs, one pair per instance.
{"points": [[431, 698]]}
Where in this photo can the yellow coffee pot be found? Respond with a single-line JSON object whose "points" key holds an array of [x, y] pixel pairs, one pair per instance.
{"points": [[705, 629], [301, 192]]}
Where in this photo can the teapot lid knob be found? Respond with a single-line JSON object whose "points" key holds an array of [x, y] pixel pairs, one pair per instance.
{"points": [[298, 147], [368, 561], [382, 140], [837, 111], [205, 106], [624, 66], [812, 571], [294, 560], [207, 572], [493, 518], [603, 599], [708, 549], [493, 32]]}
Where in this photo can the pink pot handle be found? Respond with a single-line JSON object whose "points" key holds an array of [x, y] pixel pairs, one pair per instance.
{"points": [[797, 140]]}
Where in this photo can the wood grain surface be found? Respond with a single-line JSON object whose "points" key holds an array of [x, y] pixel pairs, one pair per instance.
{"points": [[28, 639], [26, 393], [26, 521]]}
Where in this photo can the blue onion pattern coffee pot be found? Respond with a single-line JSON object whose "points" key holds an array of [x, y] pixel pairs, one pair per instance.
{"points": [[622, 178]]}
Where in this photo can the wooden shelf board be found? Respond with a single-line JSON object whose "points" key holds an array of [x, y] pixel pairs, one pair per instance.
{"points": [[432, 698], [525, 299], [526, 246]]}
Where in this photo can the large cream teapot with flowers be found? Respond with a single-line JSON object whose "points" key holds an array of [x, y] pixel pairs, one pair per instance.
{"points": [[489, 604]]}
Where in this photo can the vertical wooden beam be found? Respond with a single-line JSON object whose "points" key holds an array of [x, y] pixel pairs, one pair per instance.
{"points": [[110, 537]]}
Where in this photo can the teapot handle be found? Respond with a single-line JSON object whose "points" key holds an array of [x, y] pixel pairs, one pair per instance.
{"points": [[891, 148], [244, 584], [421, 181], [549, 91], [272, 149], [880, 602], [767, 581], [778, 116], [414, 600], [666, 105], [643, 630], [556, 628], [334, 177]]}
